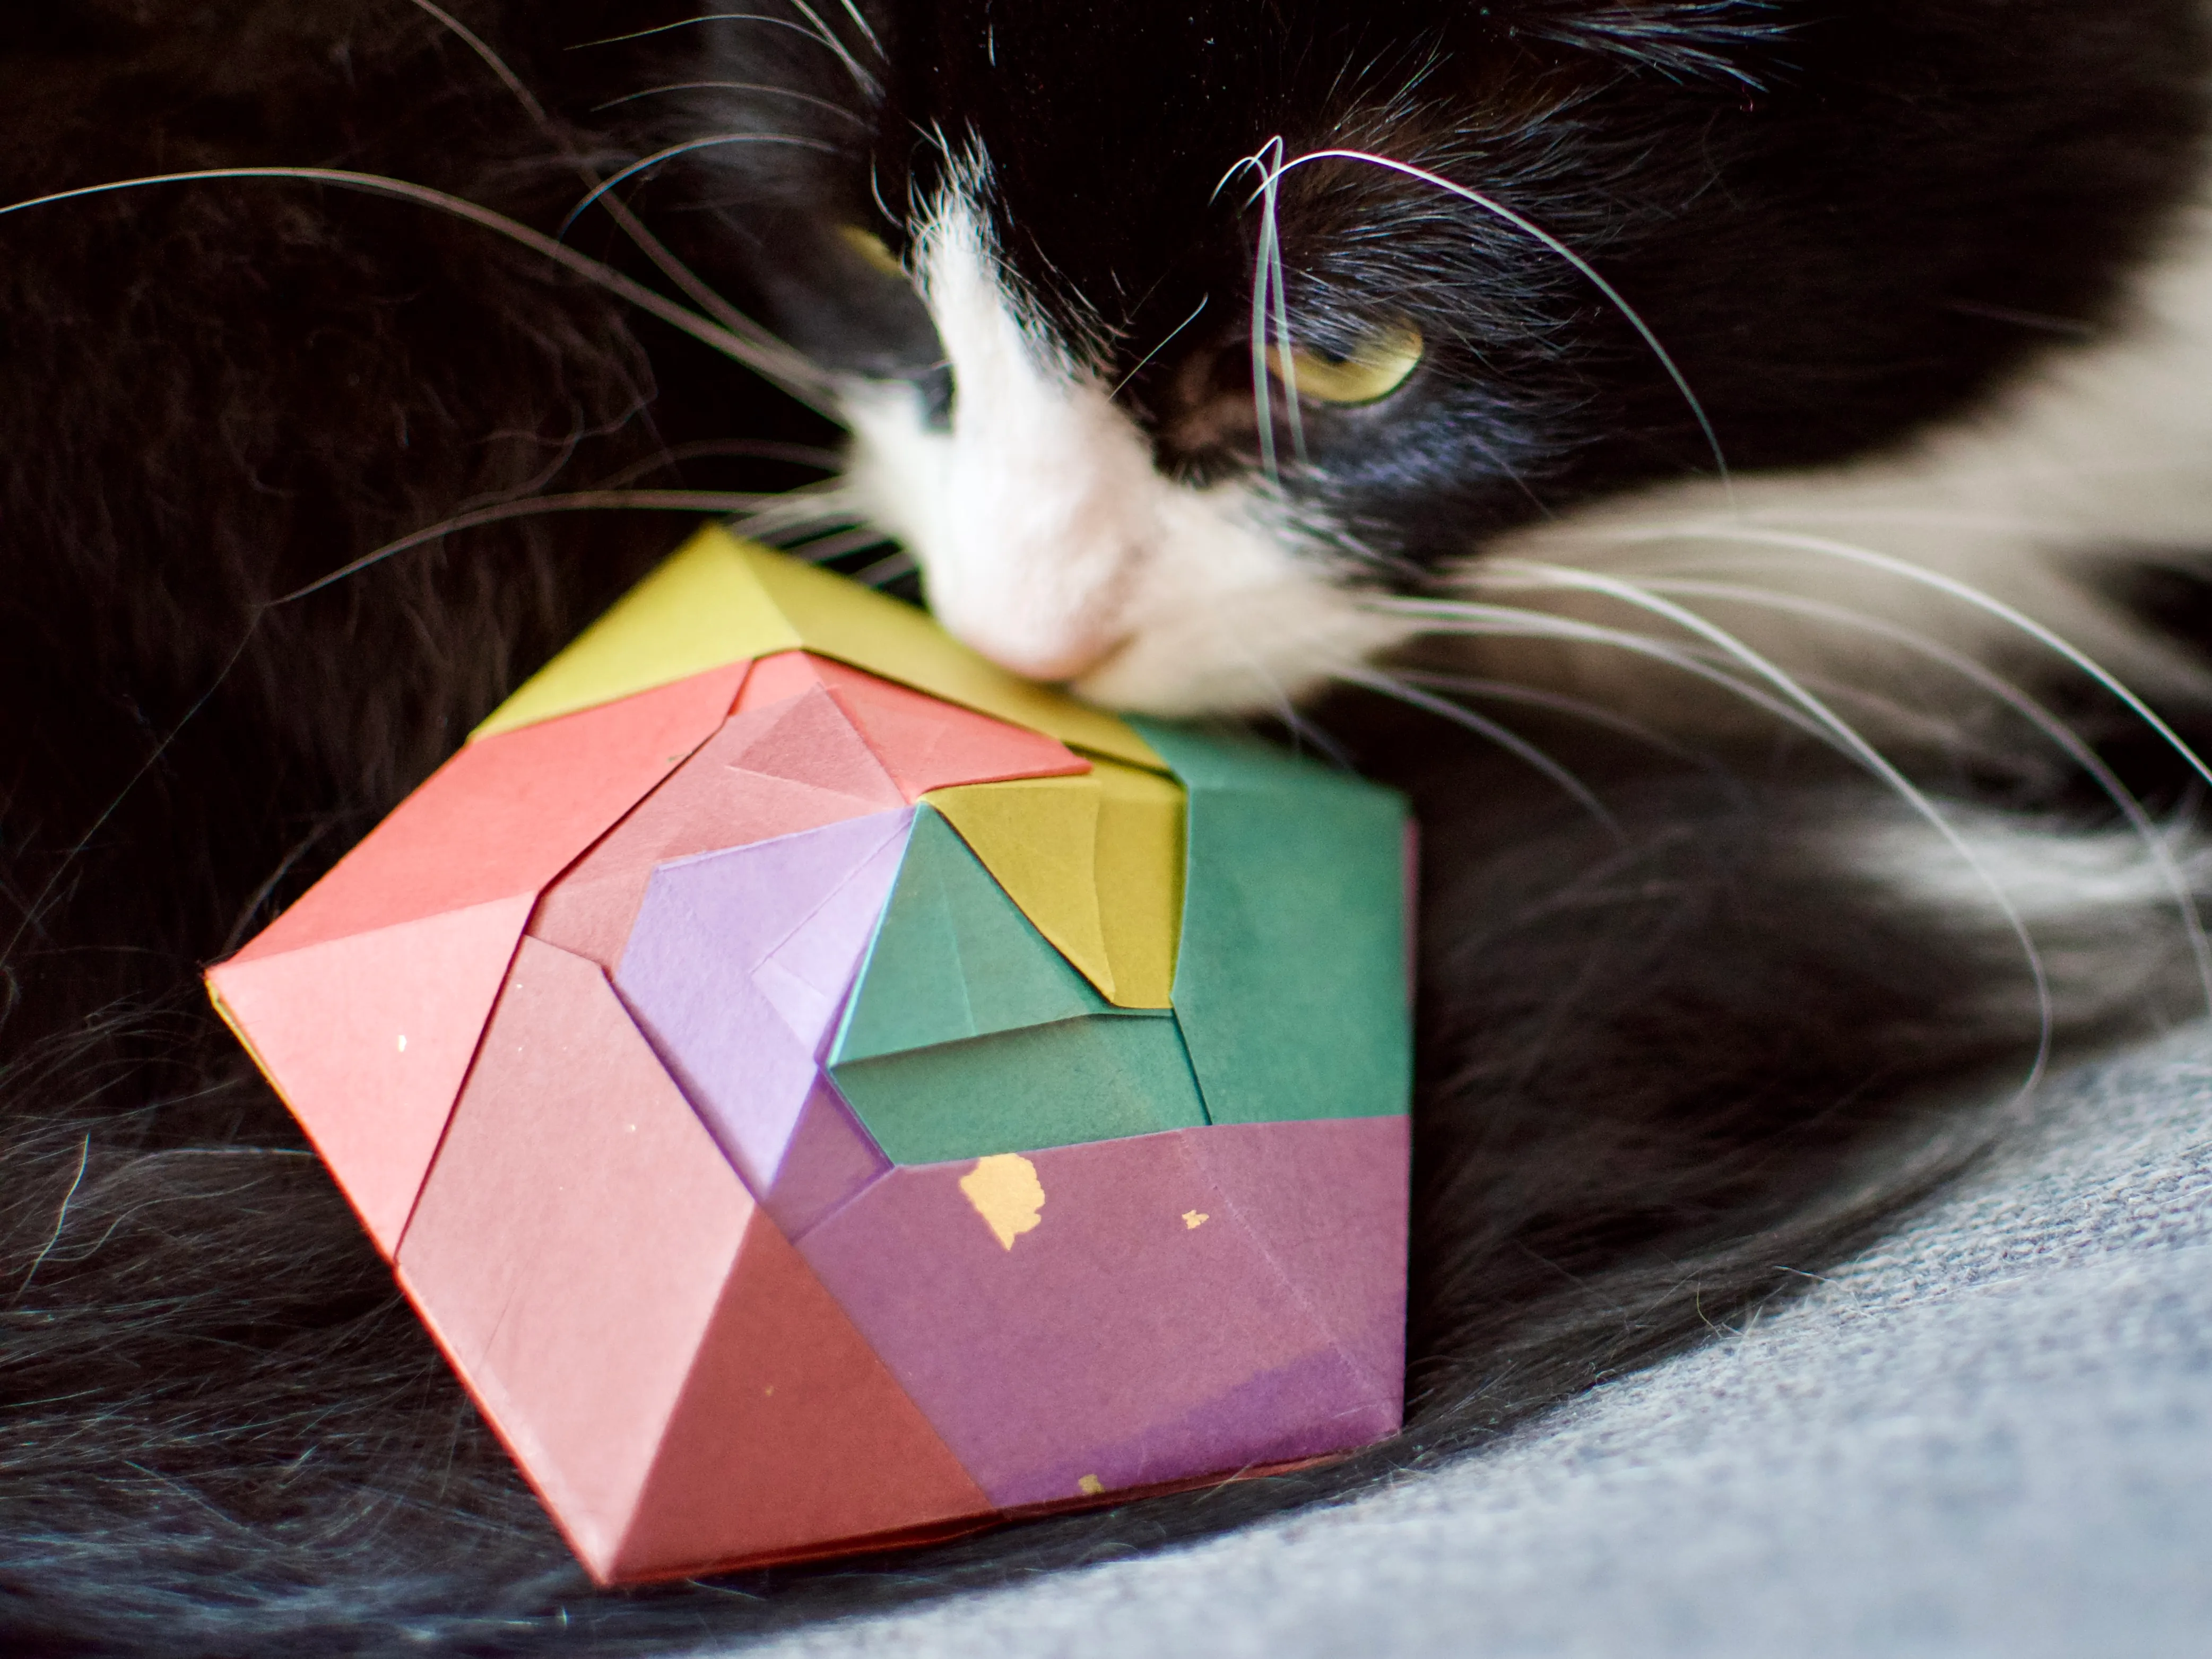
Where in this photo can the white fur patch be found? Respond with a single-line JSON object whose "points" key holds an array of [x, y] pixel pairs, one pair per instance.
{"points": [[2098, 453], [1050, 542]]}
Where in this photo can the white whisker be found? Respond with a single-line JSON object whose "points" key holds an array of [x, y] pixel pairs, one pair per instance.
{"points": [[828, 36], [786, 368], [589, 500], [889, 568], [1557, 702], [1467, 618], [1963, 592], [712, 142], [796, 96], [498, 65], [1505, 737], [1267, 160], [860, 23], [1286, 364], [1868, 756], [2069, 742], [763, 449], [700, 293], [822, 550], [1158, 349], [817, 34]]}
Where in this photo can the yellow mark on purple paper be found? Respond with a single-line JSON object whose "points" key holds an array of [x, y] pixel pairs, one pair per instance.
{"points": [[1006, 1192]]}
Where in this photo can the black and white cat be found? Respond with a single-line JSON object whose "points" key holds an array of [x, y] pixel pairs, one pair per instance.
{"points": [[1738, 463]]}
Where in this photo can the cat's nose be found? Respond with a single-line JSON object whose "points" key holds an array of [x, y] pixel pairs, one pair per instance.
{"points": [[1026, 640]]}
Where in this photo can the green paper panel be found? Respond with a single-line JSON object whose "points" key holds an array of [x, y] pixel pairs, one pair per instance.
{"points": [[1096, 1078], [954, 957], [1291, 980]]}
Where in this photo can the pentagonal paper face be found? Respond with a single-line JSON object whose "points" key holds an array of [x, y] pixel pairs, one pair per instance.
{"points": [[665, 1369], [738, 969], [1084, 1318]]}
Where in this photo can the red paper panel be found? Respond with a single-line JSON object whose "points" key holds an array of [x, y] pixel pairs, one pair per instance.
{"points": [[505, 815], [668, 1374], [924, 743], [368, 1039]]}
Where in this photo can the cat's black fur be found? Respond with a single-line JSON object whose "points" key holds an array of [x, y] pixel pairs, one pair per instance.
{"points": [[1665, 1063]]}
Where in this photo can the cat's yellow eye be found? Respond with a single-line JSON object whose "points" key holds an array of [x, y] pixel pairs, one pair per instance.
{"points": [[1373, 369], [869, 246]]}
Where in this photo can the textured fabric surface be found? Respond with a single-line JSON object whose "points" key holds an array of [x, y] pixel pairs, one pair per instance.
{"points": [[1990, 1435]]}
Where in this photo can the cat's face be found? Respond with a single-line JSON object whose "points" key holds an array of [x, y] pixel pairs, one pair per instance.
{"points": [[1169, 333]]}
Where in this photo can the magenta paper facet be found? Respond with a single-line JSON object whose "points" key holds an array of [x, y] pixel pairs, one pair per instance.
{"points": [[737, 969], [1132, 1328], [1326, 1199]]}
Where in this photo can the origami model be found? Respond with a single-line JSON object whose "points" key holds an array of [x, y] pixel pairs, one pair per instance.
{"points": [[823, 1092]]}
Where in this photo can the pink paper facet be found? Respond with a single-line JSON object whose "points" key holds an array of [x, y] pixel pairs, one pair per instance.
{"points": [[794, 764], [665, 1370], [368, 1036], [923, 743], [504, 816]]}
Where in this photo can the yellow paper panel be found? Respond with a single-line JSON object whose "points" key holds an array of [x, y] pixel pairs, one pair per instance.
{"points": [[842, 619], [703, 608], [1038, 838], [1139, 862]]}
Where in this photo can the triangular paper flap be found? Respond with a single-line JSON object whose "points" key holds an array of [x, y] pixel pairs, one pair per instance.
{"points": [[571, 1243], [1327, 1200], [954, 957], [582, 1252], [796, 765], [789, 1431], [925, 743], [1292, 1009], [1097, 1078], [702, 609], [840, 618], [1039, 839], [1113, 903], [1088, 1317], [807, 735], [504, 816], [802, 908], [368, 1039], [827, 1158]]}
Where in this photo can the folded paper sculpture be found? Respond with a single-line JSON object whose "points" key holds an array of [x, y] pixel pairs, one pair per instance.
{"points": [[823, 1092]]}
